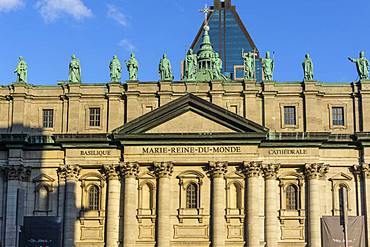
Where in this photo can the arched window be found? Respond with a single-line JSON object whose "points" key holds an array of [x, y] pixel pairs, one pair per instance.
{"points": [[291, 198], [235, 196], [192, 196], [147, 197], [43, 199], [93, 197]]}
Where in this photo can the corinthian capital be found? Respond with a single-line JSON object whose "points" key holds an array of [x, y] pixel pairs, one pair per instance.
{"points": [[163, 169], [270, 171], [111, 172], [316, 170], [129, 169], [20, 173], [252, 169], [69, 172], [365, 169], [217, 169]]}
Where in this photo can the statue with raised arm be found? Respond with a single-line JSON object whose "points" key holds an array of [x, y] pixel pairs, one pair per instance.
{"points": [[165, 70], [308, 68], [362, 65], [21, 71], [132, 67], [115, 70], [74, 70], [268, 67], [191, 63], [249, 65]]}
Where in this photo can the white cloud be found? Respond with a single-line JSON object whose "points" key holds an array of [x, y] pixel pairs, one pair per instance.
{"points": [[8, 5], [127, 45], [117, 15], [53, 9]]}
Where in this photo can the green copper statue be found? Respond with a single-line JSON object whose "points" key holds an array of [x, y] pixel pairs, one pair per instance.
{"points": [[74, 70], [308, 68], [191, 63], [132, 67], [115, 70], [21, 71], [217, 70], [249, 65], [362, 66], [165, 70], [268, 67]]}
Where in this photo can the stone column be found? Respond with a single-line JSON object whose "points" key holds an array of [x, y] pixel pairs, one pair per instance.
{"points": [[366, 185], [71, 174], [113, 206], [164, 170], [129, 171], [252, 172], [217, 172], [314, 173], [271, 207], [15, 175]]}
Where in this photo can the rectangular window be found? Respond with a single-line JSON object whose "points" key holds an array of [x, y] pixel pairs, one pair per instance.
{"points": [[289, 115], [94, 117], [47, 118], [338, 116]]}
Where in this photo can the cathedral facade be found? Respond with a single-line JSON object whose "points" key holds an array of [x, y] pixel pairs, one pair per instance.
{"points": [[205, 161], [183, 163]]}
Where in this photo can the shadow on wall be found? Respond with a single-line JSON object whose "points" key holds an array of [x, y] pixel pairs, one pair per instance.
{"points": [[33, 187]]}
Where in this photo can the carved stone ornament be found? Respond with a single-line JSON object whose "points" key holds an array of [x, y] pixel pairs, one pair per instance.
{"points": [[217, 169], [270, 171], [252, 169], [365, 169], [163, 169], [111, 172], [129, 169], [69, 172], [20, 173], [316, 170]]}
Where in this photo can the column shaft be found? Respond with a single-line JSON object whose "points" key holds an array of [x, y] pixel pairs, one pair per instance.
{"points": [[11, 213], [252, 172], [253, 230], [164, 171], [366, 196], [113, 207], [130, 171], [314, 213], [129, 225], [70, 213], [314, 172], [164, 223], [271, 214], [70, 173]]}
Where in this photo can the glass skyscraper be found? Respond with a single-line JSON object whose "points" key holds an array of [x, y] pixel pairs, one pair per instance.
{"points": [[229, 37]]}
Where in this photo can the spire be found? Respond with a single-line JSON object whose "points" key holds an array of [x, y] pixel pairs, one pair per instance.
{"points": [[206, 49]]}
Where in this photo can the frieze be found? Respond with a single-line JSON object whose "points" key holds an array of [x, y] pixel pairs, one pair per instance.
{"points": [[191, 150]]}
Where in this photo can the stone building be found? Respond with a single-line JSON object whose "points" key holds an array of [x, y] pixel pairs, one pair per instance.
{"points": [[208, 162]]}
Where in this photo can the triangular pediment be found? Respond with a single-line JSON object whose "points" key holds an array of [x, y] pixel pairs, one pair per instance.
{"points": [[190, 115]]}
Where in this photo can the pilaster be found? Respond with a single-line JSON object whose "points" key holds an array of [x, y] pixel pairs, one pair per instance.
{"points": [[163, 171], [252, 171], [365, 170], [314, 173], [217, 171]]}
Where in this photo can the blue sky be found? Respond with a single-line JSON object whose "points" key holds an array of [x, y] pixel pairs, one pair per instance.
{"points": [[47, 32]]}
